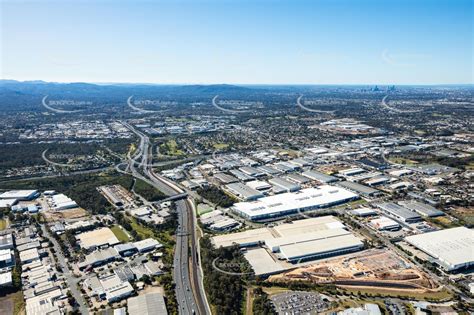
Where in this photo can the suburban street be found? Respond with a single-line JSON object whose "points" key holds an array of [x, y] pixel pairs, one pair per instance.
{"points": [[71, 280]]}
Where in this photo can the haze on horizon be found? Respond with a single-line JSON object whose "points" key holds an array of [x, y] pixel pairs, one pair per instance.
{"points": [[239, 42]]}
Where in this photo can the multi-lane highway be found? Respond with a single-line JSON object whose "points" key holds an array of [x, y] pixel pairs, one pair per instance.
{"points": [[187, 274]]}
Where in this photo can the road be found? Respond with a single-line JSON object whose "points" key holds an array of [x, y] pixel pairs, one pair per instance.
{"points": [[70, 279], [187, 275]]}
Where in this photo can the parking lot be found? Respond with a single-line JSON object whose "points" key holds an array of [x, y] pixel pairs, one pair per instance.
{"points": [[293, 303]]}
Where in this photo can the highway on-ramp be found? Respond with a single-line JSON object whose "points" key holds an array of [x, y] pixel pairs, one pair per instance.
{"points": [[187, 275]]}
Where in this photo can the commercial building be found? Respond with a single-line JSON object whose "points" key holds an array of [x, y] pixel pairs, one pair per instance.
{"points": [[421, 208], [319, 177], [62, 202], [298, 179], [269, 170], [243, 192], [241, 176], [359, 188], [147, 245], [452, 249], [6, 279], [321, 247], [399, 212], [291, 203], [147, 304], [6, 259], [363, 212], [29, 255], [225, 179], [97, 238], [6, 241], [385, 224], [300, 240], [21, 195], [251, 171], [99, 257], [125, 250], [115, 289], [259, 185], [283, 185]]}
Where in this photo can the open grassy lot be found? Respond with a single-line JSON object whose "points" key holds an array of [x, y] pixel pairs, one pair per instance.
{"points": [[120, 234], [203, 208], [432, 296], [401, 160], [3, 224], [170, 148], [220, 146]]}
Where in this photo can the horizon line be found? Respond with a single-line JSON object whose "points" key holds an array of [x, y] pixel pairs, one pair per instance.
{"points": [[239, 84]]}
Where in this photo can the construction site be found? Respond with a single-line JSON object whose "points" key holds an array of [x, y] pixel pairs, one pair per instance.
{"points": [[374, 268]]}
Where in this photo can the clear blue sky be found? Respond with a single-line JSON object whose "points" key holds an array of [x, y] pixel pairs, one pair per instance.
{"points": [[223, 41]]}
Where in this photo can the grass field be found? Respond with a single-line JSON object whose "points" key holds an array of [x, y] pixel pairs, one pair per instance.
{"points": [[203, 208], [3, 224], [404, 161], [18, 303], [220, 146], [438, 296], [171, 148], [120, 234]]}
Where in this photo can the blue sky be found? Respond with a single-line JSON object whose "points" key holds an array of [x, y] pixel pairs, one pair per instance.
{"points": [[246, 42]]}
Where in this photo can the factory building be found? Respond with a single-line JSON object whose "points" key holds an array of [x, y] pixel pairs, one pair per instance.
{"points": [[62, 202], [451, 249], [360, 189], [301, 240], [422, 209], [291, 203], [147, 304], [283, 185], [320, 177], [243, 192], [398, 212], [20, 195], [385, 224], [147, 245], [321, 248], [223, 178]]}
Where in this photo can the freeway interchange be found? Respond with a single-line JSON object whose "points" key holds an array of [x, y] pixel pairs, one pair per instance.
{"points": [[187, 274]]}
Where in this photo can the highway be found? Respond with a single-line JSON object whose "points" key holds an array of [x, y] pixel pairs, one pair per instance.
{"points": [[187, 275]]}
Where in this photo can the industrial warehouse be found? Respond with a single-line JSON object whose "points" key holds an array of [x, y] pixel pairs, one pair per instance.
{"points": [[290, 243], [452, 249], [291, 203]]}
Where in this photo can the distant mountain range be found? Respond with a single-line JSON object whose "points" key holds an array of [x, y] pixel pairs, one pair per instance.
{"points": [[27, 95]]}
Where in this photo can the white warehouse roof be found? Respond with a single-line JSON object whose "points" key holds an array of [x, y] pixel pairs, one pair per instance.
{"points": [[453, 248], [289, 203]]}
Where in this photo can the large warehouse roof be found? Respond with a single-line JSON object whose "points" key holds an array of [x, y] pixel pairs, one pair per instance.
{"points": [[19, 194], [147, 304], [97, 238], [453, 248], [322, 247], [288, 203], [399, 212]]}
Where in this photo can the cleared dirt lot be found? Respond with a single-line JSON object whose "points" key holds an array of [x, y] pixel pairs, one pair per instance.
{"points": [[377, 268], [75, 213]]}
